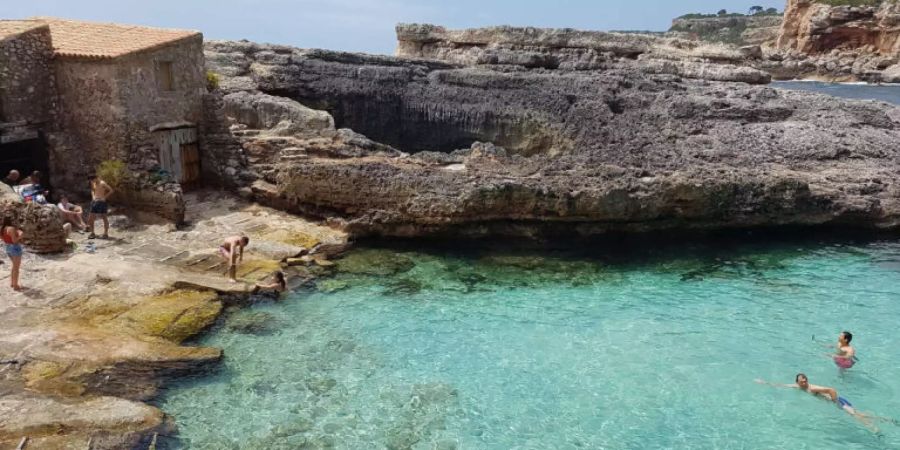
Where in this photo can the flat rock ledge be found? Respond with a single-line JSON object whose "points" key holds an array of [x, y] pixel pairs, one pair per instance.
{"points": [[103, 333]]}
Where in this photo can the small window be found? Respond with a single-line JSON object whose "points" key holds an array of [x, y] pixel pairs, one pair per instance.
{"points": [[164, 75]]}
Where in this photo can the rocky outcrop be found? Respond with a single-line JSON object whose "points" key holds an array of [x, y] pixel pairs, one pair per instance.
{"points": [[843, 43], [42, 224], [99, 422], [509, 148], [568, 49], [813, 27]]}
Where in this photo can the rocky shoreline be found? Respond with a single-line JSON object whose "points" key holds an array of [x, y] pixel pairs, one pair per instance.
{"points": [[507, 131], [97, 334]]}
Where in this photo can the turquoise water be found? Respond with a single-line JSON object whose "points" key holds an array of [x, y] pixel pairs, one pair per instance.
{"points": [[648, 349], [886, 93]]}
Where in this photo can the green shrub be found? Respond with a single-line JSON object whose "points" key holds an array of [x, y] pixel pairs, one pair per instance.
{"points": [[212, 80], [113, 172]]}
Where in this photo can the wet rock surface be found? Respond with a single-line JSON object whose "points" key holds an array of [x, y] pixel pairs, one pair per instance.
{"points": [[524, 151]]}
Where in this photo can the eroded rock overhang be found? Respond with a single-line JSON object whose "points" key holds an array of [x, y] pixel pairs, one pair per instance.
{"points": [[464, 147]]}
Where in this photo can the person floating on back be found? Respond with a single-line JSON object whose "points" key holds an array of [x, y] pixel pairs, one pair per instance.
{"points": [[845, 354], [232, 249], [831, 394], [12, 237], [100, 192]]}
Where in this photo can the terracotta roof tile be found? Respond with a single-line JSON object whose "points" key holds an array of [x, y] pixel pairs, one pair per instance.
{"points": [[78, 39], [13, 27]]}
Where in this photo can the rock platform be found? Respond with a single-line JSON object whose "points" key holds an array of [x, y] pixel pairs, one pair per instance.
{"points": [[94, 335]]}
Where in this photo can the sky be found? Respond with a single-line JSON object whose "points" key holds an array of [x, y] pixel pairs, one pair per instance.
{"points": [[368, 25]]}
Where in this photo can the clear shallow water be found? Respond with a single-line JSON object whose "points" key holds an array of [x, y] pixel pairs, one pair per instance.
{"points": [[656, 349], [885, 93]]}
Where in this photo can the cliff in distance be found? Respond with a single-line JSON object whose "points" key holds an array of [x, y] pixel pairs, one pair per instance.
{"points": [[840, 42], [734, 29]]}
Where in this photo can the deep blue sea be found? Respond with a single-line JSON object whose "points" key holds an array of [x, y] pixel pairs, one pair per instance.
{"points": [[887, 92]]}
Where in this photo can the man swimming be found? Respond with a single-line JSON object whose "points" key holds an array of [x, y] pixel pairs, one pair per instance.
{"points": [[802, 382], [845, 354]]}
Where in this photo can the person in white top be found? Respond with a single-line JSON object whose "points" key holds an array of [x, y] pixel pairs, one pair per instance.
{"points": [[71, 213]]}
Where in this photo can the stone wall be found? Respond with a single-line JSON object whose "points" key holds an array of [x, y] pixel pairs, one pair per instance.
{"points": [[148, 106], [91, 122], [109, 110], [26, 83], [224, 162], [164, 200]]}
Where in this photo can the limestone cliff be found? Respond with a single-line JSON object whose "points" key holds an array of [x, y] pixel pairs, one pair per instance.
{"points": [[569, 49], [509, 148], [818, 40], [815, 27]]}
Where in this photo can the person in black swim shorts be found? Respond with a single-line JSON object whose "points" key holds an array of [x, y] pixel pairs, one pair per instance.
{"points": [[100, 192], [831, 394]]}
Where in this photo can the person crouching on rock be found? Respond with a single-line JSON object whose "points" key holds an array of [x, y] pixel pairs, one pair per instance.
{"points": [[12, 237], [232, 249], [278, 285]]}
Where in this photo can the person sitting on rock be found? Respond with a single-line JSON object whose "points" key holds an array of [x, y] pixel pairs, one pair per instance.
{"points": [[12, 179], [278, 286], [34, 178], [232, 249], [71, 213]]}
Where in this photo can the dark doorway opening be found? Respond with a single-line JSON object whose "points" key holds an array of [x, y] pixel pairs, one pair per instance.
{"points": [[26, 156]]}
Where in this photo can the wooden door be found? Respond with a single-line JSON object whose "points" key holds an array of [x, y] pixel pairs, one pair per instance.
{"points": [[179, 154], [190, 164]]}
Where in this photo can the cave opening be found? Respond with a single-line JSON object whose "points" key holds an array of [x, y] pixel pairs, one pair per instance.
{"points": [[390, 121]]}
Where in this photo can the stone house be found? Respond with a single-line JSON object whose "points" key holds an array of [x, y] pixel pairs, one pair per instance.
{"points": [[74, 94]]}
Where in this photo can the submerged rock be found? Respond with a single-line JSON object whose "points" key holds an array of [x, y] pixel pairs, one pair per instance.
{"points": [[403, 286], [329, 286], [375, 262], [251, 322]]}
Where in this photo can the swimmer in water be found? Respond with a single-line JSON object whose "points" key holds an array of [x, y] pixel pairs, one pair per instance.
{"points": [[831, 394], [845, 354]]}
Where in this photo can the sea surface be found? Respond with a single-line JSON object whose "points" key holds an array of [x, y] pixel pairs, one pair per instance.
{"points": [[648, 347], [886, 92]]}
